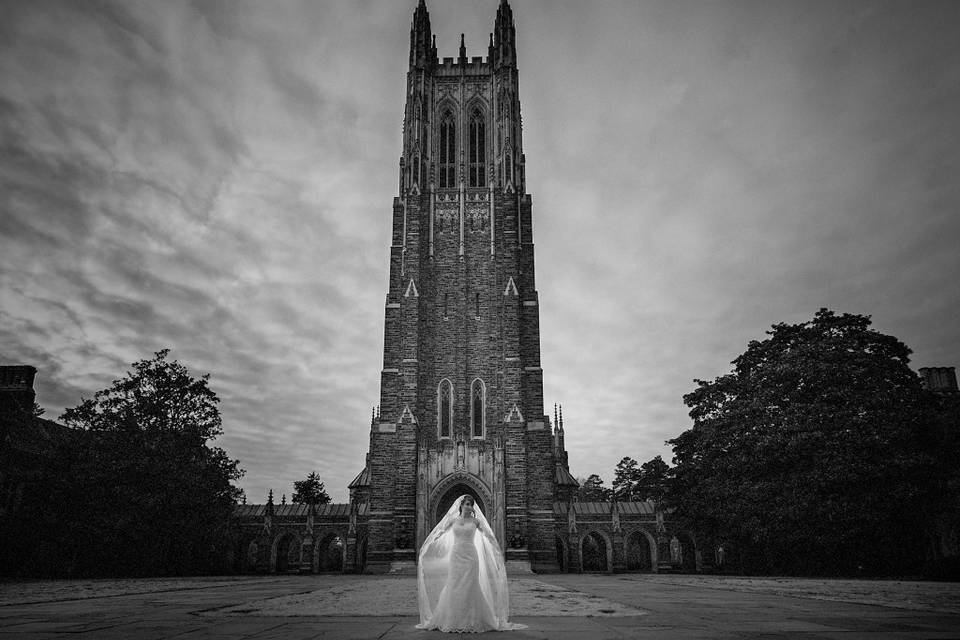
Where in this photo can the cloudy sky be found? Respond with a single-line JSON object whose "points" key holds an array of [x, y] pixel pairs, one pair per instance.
{"points": [[216, 177]]}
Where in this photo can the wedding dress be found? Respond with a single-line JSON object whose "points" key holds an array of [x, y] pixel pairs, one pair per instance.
{"points": [[461, 579]]}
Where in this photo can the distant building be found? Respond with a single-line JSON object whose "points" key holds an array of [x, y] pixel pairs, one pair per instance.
{"points": [[26, 441], [943, 547], [939, 379]]}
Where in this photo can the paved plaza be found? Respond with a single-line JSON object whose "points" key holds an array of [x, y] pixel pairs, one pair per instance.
{"points": [[553, 606]]}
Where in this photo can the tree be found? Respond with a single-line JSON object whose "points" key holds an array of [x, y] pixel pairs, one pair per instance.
{"points": [[809, 456], [592, 489], [653, 480], [310, 490], [625, 478], [140, 491]]}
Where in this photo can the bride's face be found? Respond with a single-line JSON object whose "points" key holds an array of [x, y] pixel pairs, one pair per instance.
{"points": [[466, 509]]}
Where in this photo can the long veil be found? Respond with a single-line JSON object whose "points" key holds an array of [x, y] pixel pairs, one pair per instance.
{"points": [[433, 566]]}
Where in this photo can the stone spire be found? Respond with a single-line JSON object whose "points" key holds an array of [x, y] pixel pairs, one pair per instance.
{"points": [[462, 60], [422, 48], [505, 37]]}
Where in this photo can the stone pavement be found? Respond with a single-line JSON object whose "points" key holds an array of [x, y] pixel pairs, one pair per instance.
{"points": [[553, 606]]}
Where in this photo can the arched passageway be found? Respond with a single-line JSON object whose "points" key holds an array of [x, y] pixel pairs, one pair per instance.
{"points": [[638, 552], [329, 552], [287, 554], [593, 549]]}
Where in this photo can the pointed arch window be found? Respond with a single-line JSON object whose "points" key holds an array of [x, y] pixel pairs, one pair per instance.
{"points": [[478, 149], [448, 151], [478, 402], [445, 409]]}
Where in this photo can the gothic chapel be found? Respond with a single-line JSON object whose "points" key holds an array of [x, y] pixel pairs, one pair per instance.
{"points": [[461, 390]]}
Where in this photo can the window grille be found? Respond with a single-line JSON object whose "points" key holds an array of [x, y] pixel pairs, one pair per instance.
{"points": [[448, 151], [478, 153]]}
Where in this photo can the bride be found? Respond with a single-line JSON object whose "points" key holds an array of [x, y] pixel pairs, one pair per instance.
{"points": [[461, 578]]}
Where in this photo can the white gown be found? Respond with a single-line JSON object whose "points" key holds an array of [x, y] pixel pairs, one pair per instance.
{"points": [[461, 579]]}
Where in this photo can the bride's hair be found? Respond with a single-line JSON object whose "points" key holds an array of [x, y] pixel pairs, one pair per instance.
{"points": [[464, 501]]}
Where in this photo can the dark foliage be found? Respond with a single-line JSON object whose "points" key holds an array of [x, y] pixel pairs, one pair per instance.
{"points": [[653, 481], [140, 491], [814, 455], [310, 490], [592, 490], [646, 482], [625, 478]]}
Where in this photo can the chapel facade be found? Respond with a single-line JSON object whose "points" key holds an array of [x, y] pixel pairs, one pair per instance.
{"points": [[461, 407], [461, 390]]}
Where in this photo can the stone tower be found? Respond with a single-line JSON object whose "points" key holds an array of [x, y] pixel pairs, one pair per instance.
{"points": [[461, 390]]}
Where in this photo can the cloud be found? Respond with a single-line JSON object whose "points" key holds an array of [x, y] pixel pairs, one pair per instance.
{"points": [[217, 177]]}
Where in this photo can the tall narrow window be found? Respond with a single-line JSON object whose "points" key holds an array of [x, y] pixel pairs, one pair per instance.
{"points": [[477, 300], [423, 138], [421, 130], [445, 408], [478, 145], [448, 151], [446, 305], [477, 401]]}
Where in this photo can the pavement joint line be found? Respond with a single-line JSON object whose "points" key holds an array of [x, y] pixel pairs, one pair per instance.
{"points": [[262, 631], [198, 612]]}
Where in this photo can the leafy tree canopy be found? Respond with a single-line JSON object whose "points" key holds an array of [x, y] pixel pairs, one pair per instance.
{"points": [[811, 453], [592, 490], [647, 481], [141, 490], [310, 490], [653, 480], [625, 478]]}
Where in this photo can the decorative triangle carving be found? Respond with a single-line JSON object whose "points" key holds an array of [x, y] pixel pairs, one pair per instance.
{"points": [[412, 290], [511, 288], [407, 416], [514, 415]]}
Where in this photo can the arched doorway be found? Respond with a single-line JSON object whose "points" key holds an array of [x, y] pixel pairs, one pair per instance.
{"points": [[593, 550], [287, 554], [329, 552], [638, 552], [451, 494]]}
